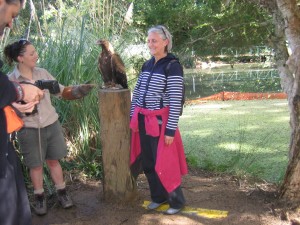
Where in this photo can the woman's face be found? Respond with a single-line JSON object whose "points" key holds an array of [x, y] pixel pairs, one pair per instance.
{"points": [[157, 45], [30, 57]]}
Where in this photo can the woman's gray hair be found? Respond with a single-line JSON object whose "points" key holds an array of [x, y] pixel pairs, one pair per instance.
{"points": [[164, 33]]}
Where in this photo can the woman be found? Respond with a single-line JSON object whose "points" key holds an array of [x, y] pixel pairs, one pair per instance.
{"points": [[41, 139], [155, 111]]}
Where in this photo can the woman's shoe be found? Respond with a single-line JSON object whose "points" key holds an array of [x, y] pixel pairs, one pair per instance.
{"points": [[172, 211], [155, 205]]}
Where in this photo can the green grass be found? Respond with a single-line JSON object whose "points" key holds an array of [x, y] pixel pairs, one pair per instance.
{"points": [[239, 137]]}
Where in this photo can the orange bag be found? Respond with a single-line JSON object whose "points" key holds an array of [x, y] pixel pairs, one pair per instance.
{"points": [[14, 123]]}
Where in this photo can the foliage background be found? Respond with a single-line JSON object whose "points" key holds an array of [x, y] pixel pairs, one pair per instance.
{"points": [[203, 28]]}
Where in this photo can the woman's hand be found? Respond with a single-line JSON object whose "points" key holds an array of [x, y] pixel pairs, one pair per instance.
{"points": [[25, 108], [168, 140]]}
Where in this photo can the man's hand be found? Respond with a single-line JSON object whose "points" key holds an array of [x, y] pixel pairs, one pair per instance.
{"points": [[25, 108], [31, 93]]}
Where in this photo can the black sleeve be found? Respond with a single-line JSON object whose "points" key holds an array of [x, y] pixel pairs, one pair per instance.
{"points": [[8, 92]]}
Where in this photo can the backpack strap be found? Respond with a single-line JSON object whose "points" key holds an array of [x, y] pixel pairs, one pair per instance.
{"points": [[167, 69], [167, 72]]}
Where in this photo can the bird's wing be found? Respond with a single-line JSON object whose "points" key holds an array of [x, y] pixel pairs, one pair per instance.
{"points": [[118, 64], [99, 64], [104, 67], [119, 70]]}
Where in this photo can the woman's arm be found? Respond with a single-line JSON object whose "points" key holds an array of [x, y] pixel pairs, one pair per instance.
{"points": [[174, 91]]}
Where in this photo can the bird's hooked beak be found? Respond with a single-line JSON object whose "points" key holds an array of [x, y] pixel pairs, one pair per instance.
{"points": [[99, 42]]}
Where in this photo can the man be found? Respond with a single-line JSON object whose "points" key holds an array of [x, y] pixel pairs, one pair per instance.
{"points": [[14, 204]]}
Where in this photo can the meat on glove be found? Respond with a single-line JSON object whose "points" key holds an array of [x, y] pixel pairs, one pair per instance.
{"points": [[76, 91]]}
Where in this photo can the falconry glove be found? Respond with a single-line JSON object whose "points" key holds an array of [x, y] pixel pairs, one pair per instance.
{"points": [[76, 91]]}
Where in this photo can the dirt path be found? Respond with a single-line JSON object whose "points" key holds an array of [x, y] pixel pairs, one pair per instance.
{"points": [[245, 204]]}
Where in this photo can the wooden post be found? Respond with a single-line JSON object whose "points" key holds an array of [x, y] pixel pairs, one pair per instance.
{"points": [[114, 109]]}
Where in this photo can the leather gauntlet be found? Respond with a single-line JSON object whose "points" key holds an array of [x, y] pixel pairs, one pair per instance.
{"points": [[76, 91]]}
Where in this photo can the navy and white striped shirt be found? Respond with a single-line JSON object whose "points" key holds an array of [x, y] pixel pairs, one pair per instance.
{"points": [[155, 90]]}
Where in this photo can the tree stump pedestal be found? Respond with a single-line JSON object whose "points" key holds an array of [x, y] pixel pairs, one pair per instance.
{"points": [[114, 112]]}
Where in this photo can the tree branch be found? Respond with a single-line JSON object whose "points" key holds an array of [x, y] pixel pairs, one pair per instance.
{"points": [[266, 23]]}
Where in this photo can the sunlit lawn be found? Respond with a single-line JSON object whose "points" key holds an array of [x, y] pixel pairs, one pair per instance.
{"points": [[242, 137]]}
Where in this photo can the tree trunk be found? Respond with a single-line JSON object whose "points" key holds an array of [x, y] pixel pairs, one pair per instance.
{"points": [[290, 189], [33, 16], [114, 109], [286, 19]]}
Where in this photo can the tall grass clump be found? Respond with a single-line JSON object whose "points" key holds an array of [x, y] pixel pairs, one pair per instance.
{"points": [[68, 57], [68, 50], [71, 56]]}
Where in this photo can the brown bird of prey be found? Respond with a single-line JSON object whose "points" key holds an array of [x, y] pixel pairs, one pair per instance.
{"points": [[111, 66]]}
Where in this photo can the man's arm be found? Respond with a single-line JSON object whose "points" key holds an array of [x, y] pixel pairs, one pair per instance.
{"points": [[8, 91], [31, 93], [11, 92]]}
